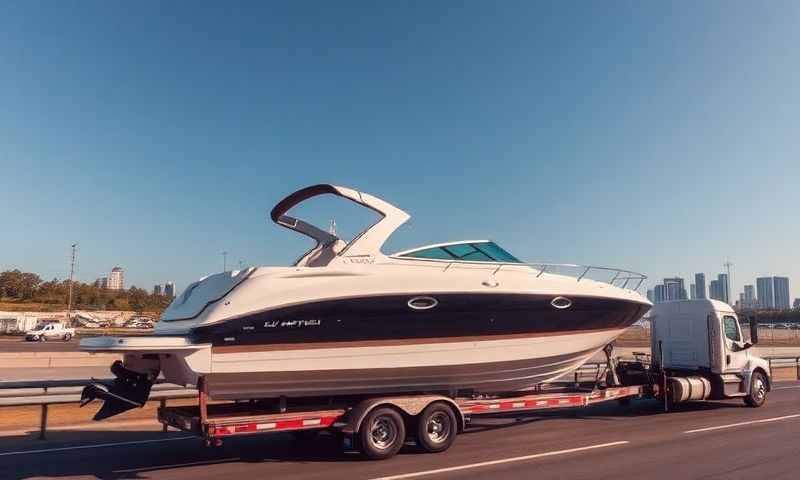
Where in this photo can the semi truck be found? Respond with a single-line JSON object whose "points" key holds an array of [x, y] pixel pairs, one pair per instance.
{"points": [[698, 354]]}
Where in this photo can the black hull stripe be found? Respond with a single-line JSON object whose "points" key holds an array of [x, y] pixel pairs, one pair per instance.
{"points": [[389, 318]]}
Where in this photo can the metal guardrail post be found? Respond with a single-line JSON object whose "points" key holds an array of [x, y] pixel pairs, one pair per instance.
{"points": [[163, 404], [43, 424]]}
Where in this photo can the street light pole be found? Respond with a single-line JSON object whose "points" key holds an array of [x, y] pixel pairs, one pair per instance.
{"points": [[224, 261], [71, 274]]}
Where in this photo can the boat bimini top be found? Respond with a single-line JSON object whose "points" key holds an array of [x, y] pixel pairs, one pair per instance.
{"points": [[328, 246]]}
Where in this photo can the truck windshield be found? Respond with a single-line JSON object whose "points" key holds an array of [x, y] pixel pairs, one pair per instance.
{"points": [[731, 327]]}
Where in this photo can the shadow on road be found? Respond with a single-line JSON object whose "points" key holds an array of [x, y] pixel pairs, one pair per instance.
{"points": [[132, 454]]}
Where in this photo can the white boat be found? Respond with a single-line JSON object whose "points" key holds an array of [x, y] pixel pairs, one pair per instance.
{"points": [[347, 319]]}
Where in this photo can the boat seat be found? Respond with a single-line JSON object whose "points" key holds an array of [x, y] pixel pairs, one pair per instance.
{"points": [[322, 255]]}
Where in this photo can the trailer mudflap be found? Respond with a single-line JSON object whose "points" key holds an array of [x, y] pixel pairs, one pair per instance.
{"points": [[128, 390]]}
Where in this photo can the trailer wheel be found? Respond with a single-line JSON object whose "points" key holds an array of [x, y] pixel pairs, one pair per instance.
{"points": [[67, 337], [382, 434], [42, 338], [436, 428], [758, 390]]}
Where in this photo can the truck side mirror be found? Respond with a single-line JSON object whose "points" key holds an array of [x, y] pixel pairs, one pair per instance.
{"points": [[753, 329]]}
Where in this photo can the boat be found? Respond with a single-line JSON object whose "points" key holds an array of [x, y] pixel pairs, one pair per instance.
{"points": [[346, 319]]}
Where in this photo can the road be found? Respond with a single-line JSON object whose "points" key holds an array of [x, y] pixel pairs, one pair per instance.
{"points": [[720, 440], [18, 344]]}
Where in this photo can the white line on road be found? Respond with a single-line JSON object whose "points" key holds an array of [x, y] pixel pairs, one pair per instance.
{"points": [[785, 388], [96, 445], [752, 422], [498, 462]]}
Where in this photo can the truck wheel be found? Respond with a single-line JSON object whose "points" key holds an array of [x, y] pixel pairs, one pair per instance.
{"points": [[67, 337], [42, 338], [436, 428], [382, 434], [758, 390]]}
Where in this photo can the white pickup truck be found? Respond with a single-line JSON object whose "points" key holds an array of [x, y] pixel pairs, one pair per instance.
{"points": [[50, 331]]}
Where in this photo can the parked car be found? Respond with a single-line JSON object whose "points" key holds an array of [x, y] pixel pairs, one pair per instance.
{"points": [[50, 331], [139, 323]]}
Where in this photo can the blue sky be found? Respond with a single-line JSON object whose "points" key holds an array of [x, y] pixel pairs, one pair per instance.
{"points": [[660, 137]]}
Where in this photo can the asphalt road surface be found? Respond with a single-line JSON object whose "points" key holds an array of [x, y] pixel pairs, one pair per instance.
{"points": [[719, 440], [18, 344]]}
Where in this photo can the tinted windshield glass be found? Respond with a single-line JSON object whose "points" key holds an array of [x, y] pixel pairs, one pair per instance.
{"points": [[731, 328], [468, 251]]}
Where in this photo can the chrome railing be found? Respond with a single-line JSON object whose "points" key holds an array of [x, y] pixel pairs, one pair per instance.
{"points": [[615, 276]]}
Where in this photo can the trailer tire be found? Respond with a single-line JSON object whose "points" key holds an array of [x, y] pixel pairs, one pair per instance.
{"points": [[42, 338], [67, 337], [758, 390], [436, 428], [382, 433]]}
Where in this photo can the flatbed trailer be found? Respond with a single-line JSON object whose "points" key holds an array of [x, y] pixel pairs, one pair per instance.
{"points": [[377, 425]]}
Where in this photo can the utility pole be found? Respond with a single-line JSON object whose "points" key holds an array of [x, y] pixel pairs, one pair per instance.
{"points": [[224, 261], [69, 295]]}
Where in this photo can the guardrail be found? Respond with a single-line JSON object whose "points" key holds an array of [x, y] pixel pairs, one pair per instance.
{"points": [[52, 392]]}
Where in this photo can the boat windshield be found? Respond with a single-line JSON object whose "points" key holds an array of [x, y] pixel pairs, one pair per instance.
{"points": [[465, 251]]}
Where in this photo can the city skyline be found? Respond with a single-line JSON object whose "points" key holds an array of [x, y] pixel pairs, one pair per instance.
{"points": [[492, 123], [769, 293]]}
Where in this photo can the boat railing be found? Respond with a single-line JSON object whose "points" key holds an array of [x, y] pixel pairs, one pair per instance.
{"points": [[614, 276]]}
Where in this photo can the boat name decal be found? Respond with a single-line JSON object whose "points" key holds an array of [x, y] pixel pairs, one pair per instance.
{"points": [[292, 323], [366, 260]]}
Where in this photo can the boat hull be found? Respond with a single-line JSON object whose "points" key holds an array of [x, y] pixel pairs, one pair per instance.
{"points": [[516, 363]]}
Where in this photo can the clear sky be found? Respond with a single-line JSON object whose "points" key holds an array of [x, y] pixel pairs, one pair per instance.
{"points": [[661, 137]]}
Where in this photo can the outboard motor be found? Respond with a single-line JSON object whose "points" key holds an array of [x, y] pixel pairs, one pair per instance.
{"points": [[128, 390]]}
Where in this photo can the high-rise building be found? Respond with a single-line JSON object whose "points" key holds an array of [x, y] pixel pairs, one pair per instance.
{"points": [[102, 282], [766, 295], [780, 286], [724, 286], [116, 281], [714, 290], [157, 290], [796, 304], [749, 297], [169, 289], [700, 285], [651, 296], [692, 291], [660, 294], [675, 288]]}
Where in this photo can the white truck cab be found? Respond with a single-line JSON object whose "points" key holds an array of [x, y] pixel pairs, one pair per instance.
{"points": [[701, 346]]}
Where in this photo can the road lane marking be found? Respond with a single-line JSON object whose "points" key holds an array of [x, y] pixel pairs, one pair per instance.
{"points": [[752, 422], [785, 388], [498, 462], [96, 445]]}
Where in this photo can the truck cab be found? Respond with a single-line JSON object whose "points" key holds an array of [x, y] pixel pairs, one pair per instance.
{"points": [[702, 341]]}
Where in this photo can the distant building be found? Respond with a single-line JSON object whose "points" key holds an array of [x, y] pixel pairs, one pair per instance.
{"points": [[660, 294], [780, 286], [169, 289], [749, 299], [700, 285], [157, 290], [102, 282], [766, 295], [796, 304], [714, 292], [651, 296], [692, 291], [675, 288], [724, 285], [116, 281]]}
